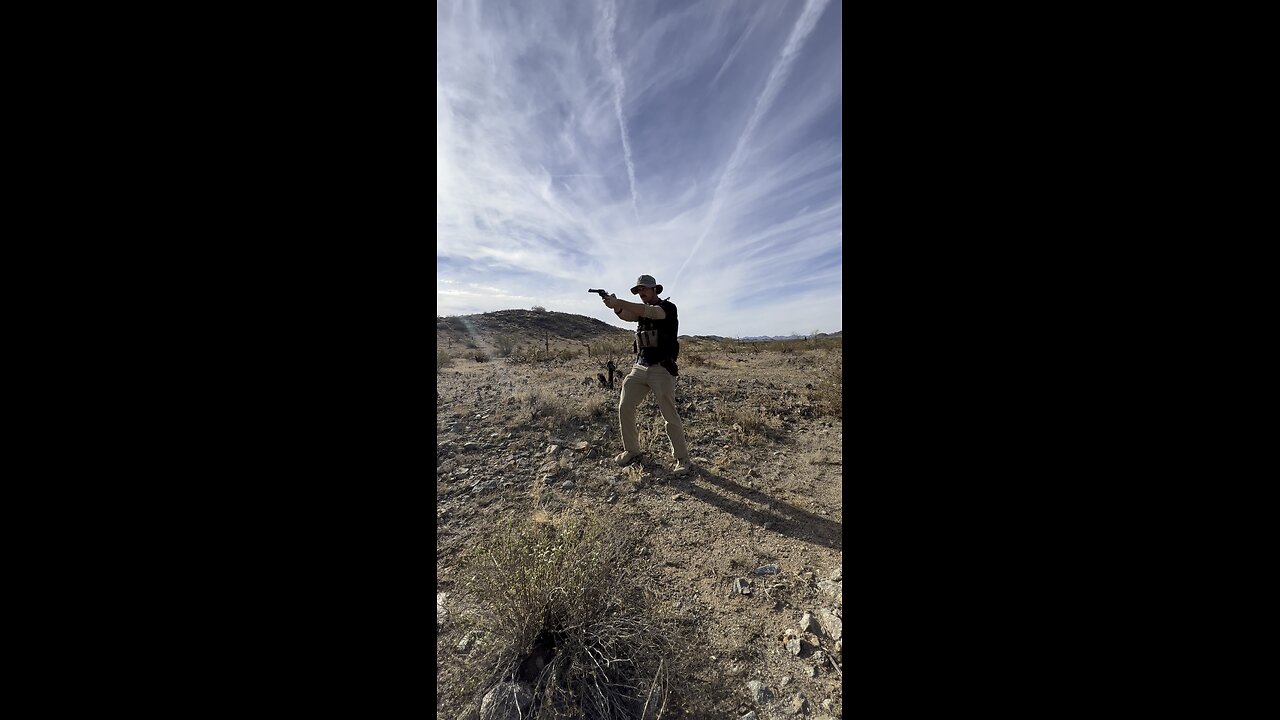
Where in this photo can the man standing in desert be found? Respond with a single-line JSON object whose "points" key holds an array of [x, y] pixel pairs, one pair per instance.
{"points": [[654, 370]]}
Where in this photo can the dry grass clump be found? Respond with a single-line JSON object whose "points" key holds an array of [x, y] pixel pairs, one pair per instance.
{"points": [[827, 394], [541, 405], [753, 424], [443, 360], [564, 614]]}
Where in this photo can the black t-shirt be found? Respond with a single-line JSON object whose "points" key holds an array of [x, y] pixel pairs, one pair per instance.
{"points": [[668, 330]]}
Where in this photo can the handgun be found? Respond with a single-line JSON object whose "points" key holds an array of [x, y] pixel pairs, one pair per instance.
{"points": [[603, 293]]}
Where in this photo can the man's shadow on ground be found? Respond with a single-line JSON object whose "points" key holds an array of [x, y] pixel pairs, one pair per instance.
{"points": [[785, 517]]}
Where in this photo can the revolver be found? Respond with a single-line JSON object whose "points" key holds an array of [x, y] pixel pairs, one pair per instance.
{"points": [[603, 293]]}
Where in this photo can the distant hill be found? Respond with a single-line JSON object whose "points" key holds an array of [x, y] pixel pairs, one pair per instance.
{"points": [[533, 324]]}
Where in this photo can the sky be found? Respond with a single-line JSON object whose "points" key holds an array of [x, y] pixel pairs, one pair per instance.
{"points": [[583, 143]]}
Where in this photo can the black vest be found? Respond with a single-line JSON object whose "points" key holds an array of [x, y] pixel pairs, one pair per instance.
{"points": [[668, 330]]}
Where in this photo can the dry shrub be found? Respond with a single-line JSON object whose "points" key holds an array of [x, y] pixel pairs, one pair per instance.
{"points": [[443, 360], [564, 612], [693, 358], [827, 394], [595, 406], [753, 424]]}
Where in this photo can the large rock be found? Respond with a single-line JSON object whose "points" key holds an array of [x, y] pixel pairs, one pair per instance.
{"points": [[506, 701], [831, 625]]}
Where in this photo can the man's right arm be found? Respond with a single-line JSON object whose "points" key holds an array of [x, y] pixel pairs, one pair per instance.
{"points": [[626, 315]]}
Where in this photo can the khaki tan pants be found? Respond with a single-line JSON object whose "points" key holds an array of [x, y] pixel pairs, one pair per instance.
{"points": [[635, 388]]}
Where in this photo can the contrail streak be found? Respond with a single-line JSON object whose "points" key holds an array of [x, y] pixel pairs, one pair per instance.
{"points": [[619, 87], [777, 77]]}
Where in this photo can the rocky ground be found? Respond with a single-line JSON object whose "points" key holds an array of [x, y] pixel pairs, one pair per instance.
{"points": [[747, 546]]}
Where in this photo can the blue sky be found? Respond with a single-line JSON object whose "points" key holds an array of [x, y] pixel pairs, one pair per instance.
{"points": [[582, 143]]}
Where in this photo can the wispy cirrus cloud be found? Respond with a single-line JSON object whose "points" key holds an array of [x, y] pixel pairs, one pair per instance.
{"points": [[581, 145]]}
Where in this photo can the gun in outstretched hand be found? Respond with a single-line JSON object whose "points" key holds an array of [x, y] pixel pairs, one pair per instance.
{"points": [[603, 293]]}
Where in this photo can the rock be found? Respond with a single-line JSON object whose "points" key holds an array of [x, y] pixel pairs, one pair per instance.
{"points": [[837, 574], [768, 570], [551, 449], [441, 612], [837, 650], [551, 467], [567, 485], [612, 497], [806, 623], [795, 707], [811, 671], [742, 585], [793, 646], [831, 625], [464, 643], [749, 716], [830, 588], [759, 693], [786, 680], [506, 701], [582, 445]]}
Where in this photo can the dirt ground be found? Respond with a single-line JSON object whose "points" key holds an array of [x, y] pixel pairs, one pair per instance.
{"points": [[766, 490]]}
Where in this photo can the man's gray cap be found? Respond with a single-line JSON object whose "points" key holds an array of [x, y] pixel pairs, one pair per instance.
{"points": [[646, 281]]}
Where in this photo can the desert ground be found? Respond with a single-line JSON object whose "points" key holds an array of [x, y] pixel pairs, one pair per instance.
{"points": [[570, 587]]}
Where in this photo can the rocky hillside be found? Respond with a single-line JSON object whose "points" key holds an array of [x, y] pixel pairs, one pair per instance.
{"points": [[525, 323]]}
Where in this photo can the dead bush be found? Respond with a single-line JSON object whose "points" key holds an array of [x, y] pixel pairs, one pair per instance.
{"points": [[565, 614], [827, 395], [752, 424]]}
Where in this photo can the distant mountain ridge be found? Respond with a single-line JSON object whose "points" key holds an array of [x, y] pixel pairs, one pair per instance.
{"points": [[563, 325]]}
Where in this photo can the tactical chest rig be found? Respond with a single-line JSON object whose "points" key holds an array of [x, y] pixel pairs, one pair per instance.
{"points": [[658, 338]]}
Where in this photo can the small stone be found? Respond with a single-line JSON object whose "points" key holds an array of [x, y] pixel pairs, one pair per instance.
{"points": [[793, 646], [806, 623], [551, 449], [464, 643], [759, 693], [742, 585], [749, 716], [830, 588], [797, 705], [677, 496], [837, 574], [811, 671], [550, 468], [612, 497], [567, 485], [786, 680], [582, 445], [768, 570]]}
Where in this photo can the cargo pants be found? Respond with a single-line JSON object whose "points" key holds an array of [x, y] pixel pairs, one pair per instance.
{"points": [[635, 388]]}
